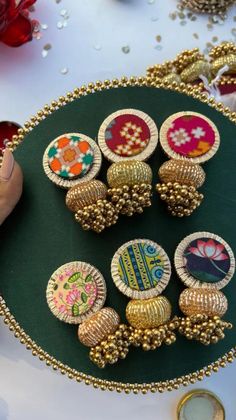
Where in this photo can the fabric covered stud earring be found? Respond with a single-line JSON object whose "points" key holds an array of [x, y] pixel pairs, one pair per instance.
{"points": [[76, 293], [205, 263], [72, 158], [141, 270], [189, 139], [128, 137]]}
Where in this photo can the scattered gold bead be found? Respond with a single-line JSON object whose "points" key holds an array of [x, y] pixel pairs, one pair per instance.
{"points": [[164, 72]]}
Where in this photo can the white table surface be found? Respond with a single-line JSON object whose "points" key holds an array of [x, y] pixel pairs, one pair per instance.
{"points": [[90, 47]]}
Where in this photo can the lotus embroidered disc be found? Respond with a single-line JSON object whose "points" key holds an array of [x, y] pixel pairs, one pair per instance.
{"points": [[141, 269], [72, 158], [75, 291], [189, 135], [128, 134], [204, 259]]}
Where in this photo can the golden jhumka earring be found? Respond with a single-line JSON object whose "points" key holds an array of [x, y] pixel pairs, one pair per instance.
{"points": [[127, 138], [141, 270], [205, 263], [76, 293], [72, 161], [188, 138]]}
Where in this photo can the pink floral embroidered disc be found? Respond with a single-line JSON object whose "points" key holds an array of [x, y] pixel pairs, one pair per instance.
{"points": [[204, 258], [207, 260], [128, 133], [189, 135], [74, 290]]}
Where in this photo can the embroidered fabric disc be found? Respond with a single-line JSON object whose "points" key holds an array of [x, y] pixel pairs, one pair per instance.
{"points": [[140, 268], [189, 135], [70, 156]]}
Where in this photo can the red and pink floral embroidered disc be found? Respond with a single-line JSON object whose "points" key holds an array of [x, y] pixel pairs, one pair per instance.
{"points": [[189, 135]]}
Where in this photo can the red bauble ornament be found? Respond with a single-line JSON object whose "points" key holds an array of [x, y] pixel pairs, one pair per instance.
{"points": [[7, 130], [16, 27]]}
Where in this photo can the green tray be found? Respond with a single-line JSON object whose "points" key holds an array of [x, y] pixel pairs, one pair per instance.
{"points": [[41, 235]]}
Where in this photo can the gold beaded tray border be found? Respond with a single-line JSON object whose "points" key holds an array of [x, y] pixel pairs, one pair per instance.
{"points": [[10, 321]]}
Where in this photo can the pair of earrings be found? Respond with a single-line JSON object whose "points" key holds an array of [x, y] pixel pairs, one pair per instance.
{"points": [[141, 270], [127, 138]]}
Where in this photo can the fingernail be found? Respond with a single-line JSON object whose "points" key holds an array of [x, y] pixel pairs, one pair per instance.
{"points": [[7, 165]]}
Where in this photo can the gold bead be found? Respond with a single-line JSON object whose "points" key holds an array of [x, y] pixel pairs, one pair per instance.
{"points": [[85, 194], [93, 330], [93, 210], [129, 173], [210, 302], [208, 6], [227, 60], [135, 194], [192, 72], [221, 55], [148, 313], [182, 172], [190, 64]]}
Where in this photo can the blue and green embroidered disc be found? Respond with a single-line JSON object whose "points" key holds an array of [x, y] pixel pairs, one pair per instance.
{"points": [[141, 269]]}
